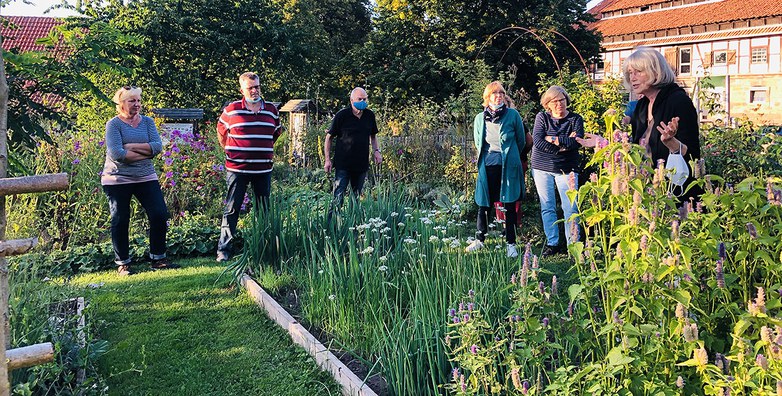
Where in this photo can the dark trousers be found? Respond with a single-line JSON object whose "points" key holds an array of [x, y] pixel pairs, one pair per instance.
{"points": [[342, 178], [237, 187], [485, 214], [150, 197]]}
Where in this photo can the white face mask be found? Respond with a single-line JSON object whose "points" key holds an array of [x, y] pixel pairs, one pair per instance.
{"points": [[677, 170]]}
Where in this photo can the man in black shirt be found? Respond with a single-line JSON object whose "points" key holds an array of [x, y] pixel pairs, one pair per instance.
{"points": [[353, 130]]}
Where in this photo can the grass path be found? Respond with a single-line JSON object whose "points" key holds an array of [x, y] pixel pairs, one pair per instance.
{"points": [[178, 332]]}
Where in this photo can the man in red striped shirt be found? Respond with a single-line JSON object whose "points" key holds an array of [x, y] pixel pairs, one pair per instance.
{"points": [[247, 130]]}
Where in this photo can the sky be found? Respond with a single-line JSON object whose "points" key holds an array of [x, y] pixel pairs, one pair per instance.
{"points": [[17, 7]]}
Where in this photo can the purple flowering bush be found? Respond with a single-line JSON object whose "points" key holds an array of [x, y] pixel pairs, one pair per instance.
{"points": [[663, 299], [192, 173]]}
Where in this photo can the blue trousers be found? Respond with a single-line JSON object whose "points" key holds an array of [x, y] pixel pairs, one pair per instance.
{"points": [[548, 185]]}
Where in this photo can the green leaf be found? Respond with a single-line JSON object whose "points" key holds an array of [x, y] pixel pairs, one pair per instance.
{"points": [[616, 357]]}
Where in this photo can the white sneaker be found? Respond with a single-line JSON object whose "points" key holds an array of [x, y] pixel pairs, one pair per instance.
{"points": [[512, 252], [475, 245]]}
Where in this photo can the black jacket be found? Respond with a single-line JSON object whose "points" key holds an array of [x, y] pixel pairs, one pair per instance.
{"points": [[671, 101]]}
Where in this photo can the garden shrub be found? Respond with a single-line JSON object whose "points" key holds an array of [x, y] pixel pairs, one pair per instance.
{"points": [[661, 301], [744, 151]]}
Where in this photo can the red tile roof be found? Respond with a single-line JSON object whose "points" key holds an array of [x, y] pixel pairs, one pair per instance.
{"points": [[21, 32], [710, 36], [690, 15]]}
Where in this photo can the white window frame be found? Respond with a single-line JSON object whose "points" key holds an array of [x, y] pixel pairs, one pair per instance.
{"points": [[754, 90], [682, 64], [765, 55]]}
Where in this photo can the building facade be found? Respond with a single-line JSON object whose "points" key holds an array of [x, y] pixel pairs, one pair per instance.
{"points": [[733, 44]]}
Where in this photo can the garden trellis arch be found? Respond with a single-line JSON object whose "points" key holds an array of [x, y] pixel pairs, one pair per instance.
{"points": [[534, 33]]}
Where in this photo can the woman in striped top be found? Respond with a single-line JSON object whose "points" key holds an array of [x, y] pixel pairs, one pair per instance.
{"points": [[132, 141]]}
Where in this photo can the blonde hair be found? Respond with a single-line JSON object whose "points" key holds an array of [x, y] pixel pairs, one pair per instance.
{"points": [[652, 62], [122, 94], [493, 86], [552, 93]]}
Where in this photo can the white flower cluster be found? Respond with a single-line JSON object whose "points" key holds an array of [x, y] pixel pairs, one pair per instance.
{"points": [[453, 242], [368, 250]]}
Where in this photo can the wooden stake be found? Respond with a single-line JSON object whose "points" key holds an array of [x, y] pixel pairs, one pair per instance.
{"points": [[32, 184], [5, 385], [31, 355], [17, 246]]}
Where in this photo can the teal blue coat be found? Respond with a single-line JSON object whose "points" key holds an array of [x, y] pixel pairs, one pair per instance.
{"points": [[512, 140]]}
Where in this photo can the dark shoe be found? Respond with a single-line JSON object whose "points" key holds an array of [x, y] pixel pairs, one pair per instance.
{"points": [[223, 257], [550, 250], [163, 264], [124, 270]]}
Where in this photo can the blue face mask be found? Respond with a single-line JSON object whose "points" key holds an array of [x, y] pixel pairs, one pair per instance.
{"points": [[360, 105], [494, 107], [256, 100]]}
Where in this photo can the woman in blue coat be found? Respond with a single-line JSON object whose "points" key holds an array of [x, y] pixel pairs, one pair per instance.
{"points": [[499, 139]]}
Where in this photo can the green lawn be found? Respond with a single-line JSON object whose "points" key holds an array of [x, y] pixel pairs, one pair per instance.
{"points": [[179, 332]]}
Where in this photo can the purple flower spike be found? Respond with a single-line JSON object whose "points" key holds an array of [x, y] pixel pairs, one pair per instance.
{"points": [[525, 387], [545, 322], [466, 317], [753, 232], [470, 306], [471, 293], [474, 349], [455, 374], [451, 312], [721, 248], [455, 319], [541, 287]]}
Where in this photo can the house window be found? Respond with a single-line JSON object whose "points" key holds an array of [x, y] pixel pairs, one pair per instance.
{"points": [[760, 55], [685, 60], [758, 95], [720, 57]]}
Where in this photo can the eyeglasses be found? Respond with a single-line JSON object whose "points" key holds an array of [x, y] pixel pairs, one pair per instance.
{"points": [[129, 87]]}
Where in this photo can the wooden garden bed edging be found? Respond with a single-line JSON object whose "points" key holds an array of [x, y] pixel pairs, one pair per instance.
{"points": [[350, 383]]}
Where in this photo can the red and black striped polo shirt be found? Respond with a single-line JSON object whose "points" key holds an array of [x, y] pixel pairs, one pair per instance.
{"points": [[250, 136]]}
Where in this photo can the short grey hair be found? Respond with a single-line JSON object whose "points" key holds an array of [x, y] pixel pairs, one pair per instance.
{"points": [[356, 89], [552, 93], [248, 76], [652, 62]]}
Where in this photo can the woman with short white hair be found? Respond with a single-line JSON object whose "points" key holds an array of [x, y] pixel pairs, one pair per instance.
{"points": [[132, 140], [664, 120]]}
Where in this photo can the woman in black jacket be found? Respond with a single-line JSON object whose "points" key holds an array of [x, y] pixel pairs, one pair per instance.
{"points": [[665, 120]]}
